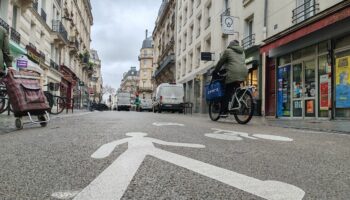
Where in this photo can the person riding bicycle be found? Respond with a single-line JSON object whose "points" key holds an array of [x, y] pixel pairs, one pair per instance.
{"points": [[5, 56], [232, 62]]}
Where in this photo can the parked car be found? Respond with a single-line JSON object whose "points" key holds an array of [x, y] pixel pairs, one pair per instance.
{"points": [[169, 97], [99, 107], [146, 104], [123, 101]]}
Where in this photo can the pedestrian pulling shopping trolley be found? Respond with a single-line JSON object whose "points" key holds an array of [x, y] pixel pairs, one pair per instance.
{"points": [[26, 97]]}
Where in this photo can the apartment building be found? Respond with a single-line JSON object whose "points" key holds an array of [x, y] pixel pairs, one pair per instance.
{"points": [[96, 82], [164, 44], [199, 29], [53, 38], [145, 88], [130, 82], [306, 59]]}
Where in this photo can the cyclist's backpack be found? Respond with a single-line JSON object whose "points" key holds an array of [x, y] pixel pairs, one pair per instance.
{"points": [[25, 93], [214, 91]]}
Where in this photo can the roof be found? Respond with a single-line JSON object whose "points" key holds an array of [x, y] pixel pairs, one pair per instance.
{"points": [[147, 43]]}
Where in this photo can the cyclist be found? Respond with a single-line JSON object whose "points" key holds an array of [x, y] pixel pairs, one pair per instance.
{"points": [[5, 56], [232, 62]]}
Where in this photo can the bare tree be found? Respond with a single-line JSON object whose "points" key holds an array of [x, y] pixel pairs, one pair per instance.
{"points": [[107, 89]]}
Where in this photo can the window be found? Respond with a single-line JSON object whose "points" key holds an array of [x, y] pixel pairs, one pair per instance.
{"points": [[199, 20], [185, 39], [208, 14], [185, 15], [190, 58], [304, 10], [198, 56], [208, 44], [191, 7], [191, 34]]}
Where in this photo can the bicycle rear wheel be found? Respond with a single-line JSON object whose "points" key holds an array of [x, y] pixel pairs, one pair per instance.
{"points": [[2, 104], [215, 110], [245, 113], [58, 105]]}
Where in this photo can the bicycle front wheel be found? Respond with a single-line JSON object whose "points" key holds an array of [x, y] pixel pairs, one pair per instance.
{"points": [[58, 105], [215, 110], [245, 113]]}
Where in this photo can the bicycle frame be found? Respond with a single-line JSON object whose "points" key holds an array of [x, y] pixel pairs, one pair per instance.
{"points": [[235, 97]]}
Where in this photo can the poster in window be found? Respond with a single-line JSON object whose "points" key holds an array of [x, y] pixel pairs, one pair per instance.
{"points": [[342, 88], [310, 107], [324, 92]]}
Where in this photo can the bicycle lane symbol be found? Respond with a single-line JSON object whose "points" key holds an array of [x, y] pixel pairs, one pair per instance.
{"points": [[235, 135], [113, 181]]}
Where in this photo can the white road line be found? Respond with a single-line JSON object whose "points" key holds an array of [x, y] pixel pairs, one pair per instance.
{"points": [[112, 183], [167, 124], [64, 194]]}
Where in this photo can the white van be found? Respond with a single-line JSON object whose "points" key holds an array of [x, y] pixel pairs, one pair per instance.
{"points": [[123, 101], [169, 97]]}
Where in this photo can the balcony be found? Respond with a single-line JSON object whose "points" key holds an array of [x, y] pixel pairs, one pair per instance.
{"points": [[73, 45], [53, 65], [15, 36], [4, 25], [58, 27], [170, 59], [43, 15], [145, 89], [248, 41], [304, 11]]}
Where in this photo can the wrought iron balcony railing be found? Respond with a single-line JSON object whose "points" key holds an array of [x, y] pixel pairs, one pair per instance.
{"points": [[248, 41], [15, 36], [58, 27], [43, 14], [54, 65], [4, 25], [35, 6], [304, 11]]}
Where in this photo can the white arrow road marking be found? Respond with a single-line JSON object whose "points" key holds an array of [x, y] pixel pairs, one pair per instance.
{"points": [[112, 182], [235, 135], [167, 124], [64, 194]]}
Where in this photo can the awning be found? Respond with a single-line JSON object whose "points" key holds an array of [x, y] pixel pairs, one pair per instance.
{"points": [[16, 48]]}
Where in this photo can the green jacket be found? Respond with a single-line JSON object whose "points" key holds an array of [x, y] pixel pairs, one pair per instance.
{"points": [[5, 56], [233, 60]]}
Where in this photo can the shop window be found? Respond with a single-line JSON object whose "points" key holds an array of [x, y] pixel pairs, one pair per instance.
{"points": [[283, 60], [284, 91], [322, 47], [308, 51]]}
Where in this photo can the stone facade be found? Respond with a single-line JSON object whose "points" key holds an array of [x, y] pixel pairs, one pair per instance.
{"points": [[145, 88]]}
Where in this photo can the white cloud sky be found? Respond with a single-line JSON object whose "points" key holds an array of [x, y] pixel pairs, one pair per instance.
{"points": [[117, 34]]}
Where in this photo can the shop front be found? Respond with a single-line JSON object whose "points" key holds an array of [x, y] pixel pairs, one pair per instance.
{"points": [[311, 70], [68, 82]]}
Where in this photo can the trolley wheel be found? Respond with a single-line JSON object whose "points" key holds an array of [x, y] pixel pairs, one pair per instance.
{"points": [[42, 118], [19, 123]]}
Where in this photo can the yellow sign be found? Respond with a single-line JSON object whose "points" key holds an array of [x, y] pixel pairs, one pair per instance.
{"points": [[342, 82]]}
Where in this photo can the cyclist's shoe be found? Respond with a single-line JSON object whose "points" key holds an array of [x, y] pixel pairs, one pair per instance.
{"points": [[2, 74]]}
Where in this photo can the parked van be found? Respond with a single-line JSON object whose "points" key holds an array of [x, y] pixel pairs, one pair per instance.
{"points": [[123, 101], [169, 97]]}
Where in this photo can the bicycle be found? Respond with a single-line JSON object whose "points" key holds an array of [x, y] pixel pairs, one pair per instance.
{"points": [[57, 103], [241, 105]]}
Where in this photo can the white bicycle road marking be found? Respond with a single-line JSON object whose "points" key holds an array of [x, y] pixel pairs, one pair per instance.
{"points": [[167, 124], [235, 135], [113, 181]]}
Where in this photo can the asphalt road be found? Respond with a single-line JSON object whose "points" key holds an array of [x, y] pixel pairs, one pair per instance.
{"points": [[229, 161]]}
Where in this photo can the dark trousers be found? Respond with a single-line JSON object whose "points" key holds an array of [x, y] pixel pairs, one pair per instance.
{"points": [[230, 88]]}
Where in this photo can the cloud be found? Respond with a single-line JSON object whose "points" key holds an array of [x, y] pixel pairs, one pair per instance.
{"points": [[118, 31]]}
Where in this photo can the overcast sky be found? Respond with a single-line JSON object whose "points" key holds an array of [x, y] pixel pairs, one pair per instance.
{"points": [[117, 34]]}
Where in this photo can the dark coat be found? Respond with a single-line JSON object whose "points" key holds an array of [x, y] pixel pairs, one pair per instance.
{"points": [[5, 56], [233, 61]]}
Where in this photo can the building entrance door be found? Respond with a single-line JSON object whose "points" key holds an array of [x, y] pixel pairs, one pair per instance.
{"points": [[304, 89]]}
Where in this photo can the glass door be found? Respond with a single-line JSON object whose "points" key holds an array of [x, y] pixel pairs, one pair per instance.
{"points": [[304, 89], [310, 88]]}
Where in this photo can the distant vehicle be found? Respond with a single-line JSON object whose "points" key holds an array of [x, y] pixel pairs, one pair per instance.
{"points": [[99, 107], [169, 97], [123, 101], [146, 104]]}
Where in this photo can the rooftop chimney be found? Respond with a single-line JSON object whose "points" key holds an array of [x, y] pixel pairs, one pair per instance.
{"points": [[146, 33]]}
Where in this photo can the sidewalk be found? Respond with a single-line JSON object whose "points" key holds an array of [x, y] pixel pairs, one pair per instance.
{"points": [[340, 126], [7, 122]]}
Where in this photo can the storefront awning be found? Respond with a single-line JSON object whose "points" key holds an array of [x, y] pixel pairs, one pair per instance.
{"points": [[16, 48]]}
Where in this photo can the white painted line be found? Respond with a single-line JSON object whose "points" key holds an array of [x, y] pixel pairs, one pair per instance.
{"points": [[112, 182], [167, 124], [223, 136], [273, 137], [64, 194]]}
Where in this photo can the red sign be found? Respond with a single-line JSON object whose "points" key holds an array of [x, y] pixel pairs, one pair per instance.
{"points": [[324, 92]]}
